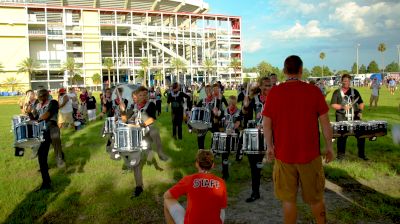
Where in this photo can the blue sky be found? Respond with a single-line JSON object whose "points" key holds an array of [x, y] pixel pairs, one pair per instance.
{"points": [[272, 30]]}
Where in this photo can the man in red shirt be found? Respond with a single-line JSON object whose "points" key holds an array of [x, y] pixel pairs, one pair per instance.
{"points": [[205, 192], [291, 114]]}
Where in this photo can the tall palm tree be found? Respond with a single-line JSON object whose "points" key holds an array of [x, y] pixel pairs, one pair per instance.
{"points": [[382, 48], [178, 64], [11, 82], [28, 65], [235, 65], [70, 67], [322, 57], [109, 64], [158, 77], [209, 65], [145, 66], [96, 78]]}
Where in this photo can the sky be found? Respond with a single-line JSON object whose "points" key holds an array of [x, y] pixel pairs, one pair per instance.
{"points": [[273, 30]]}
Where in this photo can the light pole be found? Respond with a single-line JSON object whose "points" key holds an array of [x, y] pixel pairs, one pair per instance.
{"points": [[358, 45], [398, 53]]}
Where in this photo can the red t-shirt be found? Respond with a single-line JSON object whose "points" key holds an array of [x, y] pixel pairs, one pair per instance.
{"points": [[206, 196], [294, 108]]}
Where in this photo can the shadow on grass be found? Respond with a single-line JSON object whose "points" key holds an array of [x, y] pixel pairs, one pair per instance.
{"points": [[35, 204], [366, 203]]}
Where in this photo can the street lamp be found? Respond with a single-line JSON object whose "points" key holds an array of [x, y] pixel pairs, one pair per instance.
{"points": [[358, 45]]}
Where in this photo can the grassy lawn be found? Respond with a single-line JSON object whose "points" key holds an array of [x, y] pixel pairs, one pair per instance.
{"points": [[94, 189]]}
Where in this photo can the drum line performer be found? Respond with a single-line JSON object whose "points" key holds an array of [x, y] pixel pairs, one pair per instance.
{"points": [[176, 99], [232, 117], [47, 111], [213, 103], [256, 106], [142, 113], [355, 109]]}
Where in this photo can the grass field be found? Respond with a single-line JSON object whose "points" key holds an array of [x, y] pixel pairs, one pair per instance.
{"points": [[94, 189]]}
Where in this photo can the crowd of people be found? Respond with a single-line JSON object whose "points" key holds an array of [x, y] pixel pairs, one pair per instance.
{"points": [[288, 114]]}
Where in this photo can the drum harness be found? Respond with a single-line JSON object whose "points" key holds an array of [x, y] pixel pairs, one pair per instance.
{"points": [[349, 113]]}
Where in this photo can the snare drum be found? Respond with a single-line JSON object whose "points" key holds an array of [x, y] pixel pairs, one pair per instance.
{"points": [[379, 128], [361, 129], [109, 126], [17, 119], [28, 134], [342, 128], [200, 118], [129, 139], [224, 143], [253, 141]]}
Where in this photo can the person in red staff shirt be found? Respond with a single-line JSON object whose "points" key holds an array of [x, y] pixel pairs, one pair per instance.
{"points": [[205, 192], [291, 114]]}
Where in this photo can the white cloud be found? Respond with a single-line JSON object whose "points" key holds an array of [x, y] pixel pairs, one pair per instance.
{"points": [[299, 31], [298, 5], [252, 46], [367, 20]]}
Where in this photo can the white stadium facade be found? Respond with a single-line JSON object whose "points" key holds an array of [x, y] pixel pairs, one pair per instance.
{"points": [[128, 32]]}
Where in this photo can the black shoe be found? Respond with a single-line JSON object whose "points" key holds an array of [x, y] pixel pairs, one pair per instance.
{"points": [[252, 198], [363, 158], [137, 192], [340, 157]]}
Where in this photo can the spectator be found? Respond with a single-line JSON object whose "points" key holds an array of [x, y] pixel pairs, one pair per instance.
{"points": [[91, 107], [375, 86], [65, 118]]}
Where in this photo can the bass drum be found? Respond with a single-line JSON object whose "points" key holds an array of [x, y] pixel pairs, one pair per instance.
{"points": [[127, 90]]}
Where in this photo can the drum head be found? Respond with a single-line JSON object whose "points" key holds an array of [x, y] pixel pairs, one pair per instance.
{"points": [[127, 90]]}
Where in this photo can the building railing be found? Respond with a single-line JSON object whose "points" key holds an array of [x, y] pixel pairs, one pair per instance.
{"points": [[37, 32], [24, 1]]}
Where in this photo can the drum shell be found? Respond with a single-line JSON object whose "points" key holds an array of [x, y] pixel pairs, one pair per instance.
{"points": [[200, 118], [223, 143], [129, 139], [342, 128], [28, 134], [253, 141]]}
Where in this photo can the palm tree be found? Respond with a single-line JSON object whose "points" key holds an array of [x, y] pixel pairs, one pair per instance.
{"points": [[158, 77], [96, 78], [1, 67], [235, 65], [322, 57], [382, 48], [145, 66], [71, 68], [109, 64], [11, 82], [209, 65], [28, 65], [178, 64]]}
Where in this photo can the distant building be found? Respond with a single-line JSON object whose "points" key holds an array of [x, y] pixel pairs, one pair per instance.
{"points": [[127, 31]]}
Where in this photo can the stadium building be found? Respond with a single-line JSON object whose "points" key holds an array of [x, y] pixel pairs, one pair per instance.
{"points": [[160, 32]]}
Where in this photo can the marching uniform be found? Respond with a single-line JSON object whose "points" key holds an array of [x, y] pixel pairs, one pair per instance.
{"points": [[210, 103], [255, 106], [176, 99], [338, 97], [232, 116], [51, 135]]}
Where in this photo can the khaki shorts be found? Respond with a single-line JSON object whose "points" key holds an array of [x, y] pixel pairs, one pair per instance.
{"points": [[65, 118], [309, 177], [374, 98]]}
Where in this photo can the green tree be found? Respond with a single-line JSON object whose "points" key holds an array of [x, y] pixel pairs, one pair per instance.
{"points": [[392, 67], [246, 78], [145, 63], [250, 70], [178, 64], [11, 82], [264, 68], [373, 67], [316, 71], [382, 48], [158, 77], [71, 68], [140, 75], [96, 79], [342, 72], [76, 79], [354, 68], [109, 64], [28, 65], [306, 73], [363, 69], [322, 57], [235, 64], [209, 66]]}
